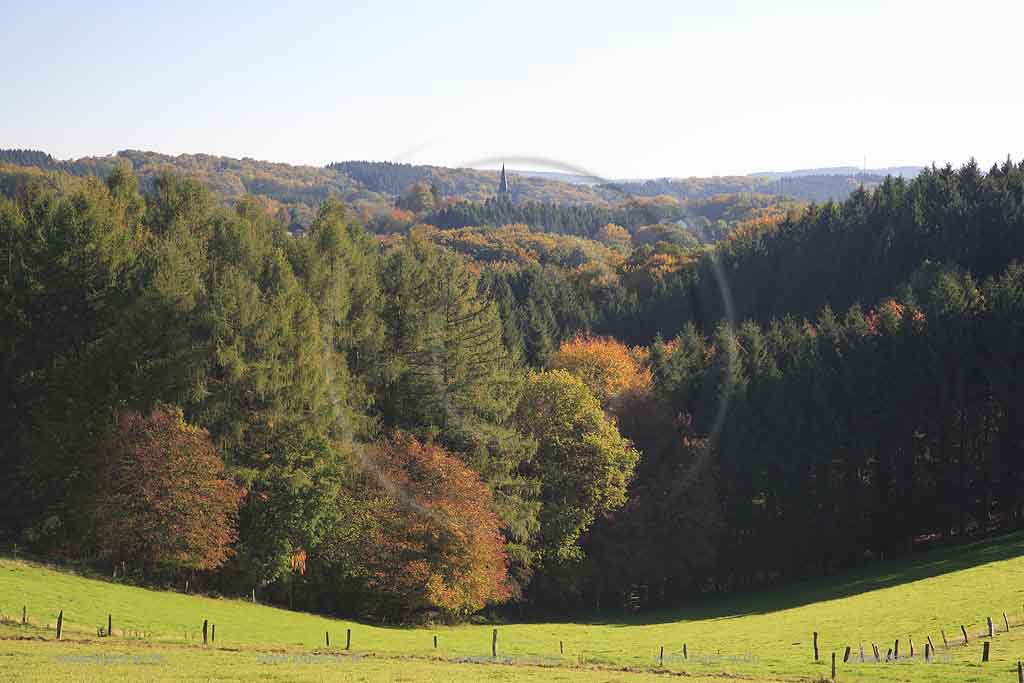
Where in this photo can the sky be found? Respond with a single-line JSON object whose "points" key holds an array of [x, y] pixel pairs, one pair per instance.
{"points": [[620, 89]]}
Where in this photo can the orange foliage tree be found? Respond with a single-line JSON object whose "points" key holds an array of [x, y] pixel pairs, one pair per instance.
{"points": [[609, 368], [162, 499], [437, 542]]}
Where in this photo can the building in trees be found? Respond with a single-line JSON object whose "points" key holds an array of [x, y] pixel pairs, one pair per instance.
{"points": [[504, 191]]}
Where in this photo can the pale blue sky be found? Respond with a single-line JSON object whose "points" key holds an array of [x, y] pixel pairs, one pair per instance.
{"points": [[623, 89]]}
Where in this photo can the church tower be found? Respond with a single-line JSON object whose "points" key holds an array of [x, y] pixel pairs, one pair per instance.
{"points": [[503, 190]]}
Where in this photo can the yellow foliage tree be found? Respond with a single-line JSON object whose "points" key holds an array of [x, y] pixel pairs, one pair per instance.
{"points": [[609, 368]]}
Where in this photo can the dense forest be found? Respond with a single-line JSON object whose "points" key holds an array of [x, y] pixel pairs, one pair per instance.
{"points": [[459, 416]]}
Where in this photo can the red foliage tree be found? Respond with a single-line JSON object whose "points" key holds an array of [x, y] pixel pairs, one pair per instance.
{"points": [[163, 499], [437, 542]]}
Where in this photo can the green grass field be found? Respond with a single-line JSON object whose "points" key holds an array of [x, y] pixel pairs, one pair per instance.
{"points": [[760, 637]]}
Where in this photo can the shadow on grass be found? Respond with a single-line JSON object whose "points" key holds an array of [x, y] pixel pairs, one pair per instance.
{"points": [[870, 578]]}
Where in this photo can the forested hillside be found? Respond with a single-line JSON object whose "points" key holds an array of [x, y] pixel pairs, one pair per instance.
{"points": [[462, 183], [809, 187], [451, 417], [381, 192]]}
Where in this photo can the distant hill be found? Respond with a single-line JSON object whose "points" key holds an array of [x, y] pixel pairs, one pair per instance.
{"points": [[812, 188], [372, 186], [468, 183], [571, 178], [899, 171], [298, 190]]}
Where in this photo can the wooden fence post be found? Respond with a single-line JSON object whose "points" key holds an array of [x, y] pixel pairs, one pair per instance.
{"points": [[435, 642], [964, 630], [60, 623], [846, 655], [1020, 671], [815, 646], [931, 643], [984, 651], [213, 633], [204, 631], [862, 653], [685, 655], [327, 638], [888, 655], [911, 639], [110, 625], [661, 656], [991, 629], [348, 639], [494, 643], [945, 643], [927, 652], [24, 615], [833, 665], [878, 655], [1006, 622], [561, 648], [896, 649]]}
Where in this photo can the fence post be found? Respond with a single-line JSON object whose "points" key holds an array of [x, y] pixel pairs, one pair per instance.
{"points": [[945, 643], [815, 646], [494, 643], [24, 615], [685, 655], [991, 629], [213, 633], [1020, 671], [846, 655], [327, 638], [984, 651], [348, 638], [204, 631], [60, 623], [561, 648], [896, 649], [833, 665], [1006, 622], [964, 630], [110, 625], [661, 656], [435, 642]]}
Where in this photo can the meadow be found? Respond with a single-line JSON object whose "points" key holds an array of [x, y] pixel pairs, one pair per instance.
{"points": [[763, 636]]}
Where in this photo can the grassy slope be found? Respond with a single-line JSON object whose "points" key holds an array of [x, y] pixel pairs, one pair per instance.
{"points": [[915, 598]]}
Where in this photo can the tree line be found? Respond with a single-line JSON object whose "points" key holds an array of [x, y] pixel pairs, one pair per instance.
{"points": [[192, 391], [405, 429]]}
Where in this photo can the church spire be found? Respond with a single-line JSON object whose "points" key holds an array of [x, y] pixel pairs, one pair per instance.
{"points": [[503, 190]]}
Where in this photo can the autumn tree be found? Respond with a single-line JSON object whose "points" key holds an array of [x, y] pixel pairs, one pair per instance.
{"points": [[418, 198], [615, 236], [161, 498], [436, 541], [609, 368]]}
